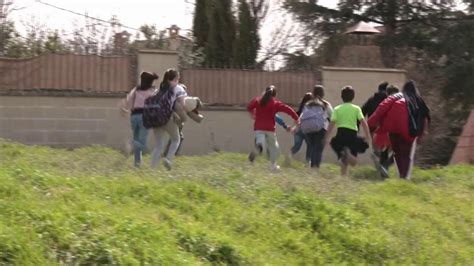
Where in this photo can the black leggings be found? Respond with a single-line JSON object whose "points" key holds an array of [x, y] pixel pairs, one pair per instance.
{"points": [[315, 147]]}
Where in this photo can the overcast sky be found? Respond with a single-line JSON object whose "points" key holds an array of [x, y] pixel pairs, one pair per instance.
{"points": [[133, 13]]}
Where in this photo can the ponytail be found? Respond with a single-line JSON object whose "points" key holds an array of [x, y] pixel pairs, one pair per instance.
{"points": [[169, 75], [269, 93]]}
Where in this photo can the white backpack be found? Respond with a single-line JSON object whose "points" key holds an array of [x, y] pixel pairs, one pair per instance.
{"points": [[312, 119]]}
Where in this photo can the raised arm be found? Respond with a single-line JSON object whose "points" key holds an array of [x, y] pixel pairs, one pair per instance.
{"points": [[380, 112], [281, 107]]}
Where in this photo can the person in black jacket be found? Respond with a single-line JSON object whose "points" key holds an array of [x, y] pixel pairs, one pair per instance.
{"points": [[380, 157], [371, 104]]}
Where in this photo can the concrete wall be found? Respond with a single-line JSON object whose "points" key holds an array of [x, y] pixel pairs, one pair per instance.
{"points": [[72, 121], [157, 61], [81, 121], [62, 121], [365, 81]]}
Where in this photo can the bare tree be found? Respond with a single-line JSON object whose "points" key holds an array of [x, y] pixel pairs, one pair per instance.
{"points": [[5, 6], [260, 10], [281, 34]]}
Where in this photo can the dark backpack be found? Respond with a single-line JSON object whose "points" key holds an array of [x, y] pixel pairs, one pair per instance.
{"points": [[417, 113], [158, 109]]}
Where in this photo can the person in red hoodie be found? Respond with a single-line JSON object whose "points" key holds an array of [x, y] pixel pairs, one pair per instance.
{"points": [[405, 117], [263, 110]]}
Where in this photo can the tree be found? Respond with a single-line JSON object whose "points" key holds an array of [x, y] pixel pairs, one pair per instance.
{"points": [[419, 36], [201, 23], [220, 40], [7, 31], [154, 40], [54, 44], [298, 61], [247, 42]]}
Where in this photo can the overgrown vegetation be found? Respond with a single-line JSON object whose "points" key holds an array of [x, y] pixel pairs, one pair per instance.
{"points": [[88, 206]]}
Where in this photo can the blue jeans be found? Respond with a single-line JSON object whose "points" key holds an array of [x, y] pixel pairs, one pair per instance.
{"points": [[315, 147], [298, 142], [140, 134]]}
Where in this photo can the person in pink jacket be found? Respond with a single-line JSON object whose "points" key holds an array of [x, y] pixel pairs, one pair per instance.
{"points": [[134, 102], [405, 117]]}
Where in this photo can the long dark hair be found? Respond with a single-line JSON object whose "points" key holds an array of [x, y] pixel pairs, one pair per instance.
{"points": [[269, 93], [306, 98], [417, 108], [318, 92], [169, 75], [146, 80]]}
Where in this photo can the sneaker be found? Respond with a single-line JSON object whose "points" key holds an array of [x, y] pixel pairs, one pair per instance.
{"points": [[275, 168], [252, 156], [167, 163], [383, 172]]}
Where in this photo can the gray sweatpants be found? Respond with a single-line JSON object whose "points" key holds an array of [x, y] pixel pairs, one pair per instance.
{"points": [[268, 141], [170, 129]]}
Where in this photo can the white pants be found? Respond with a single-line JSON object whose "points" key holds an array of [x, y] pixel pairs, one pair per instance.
{"points": [[170, 129], [268, 141]]}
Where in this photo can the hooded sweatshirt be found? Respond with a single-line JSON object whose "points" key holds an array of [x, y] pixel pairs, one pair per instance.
{"points": [[265, 115]]}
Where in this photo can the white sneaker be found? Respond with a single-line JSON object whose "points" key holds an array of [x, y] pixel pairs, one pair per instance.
{"points": [[275, 168], [167, 163]]}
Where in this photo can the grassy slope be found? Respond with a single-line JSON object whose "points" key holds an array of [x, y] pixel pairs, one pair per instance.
{"points": [[88, 206]]}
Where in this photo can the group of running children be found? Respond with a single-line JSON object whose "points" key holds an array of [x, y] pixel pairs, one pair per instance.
{"points": [[392, 122]]}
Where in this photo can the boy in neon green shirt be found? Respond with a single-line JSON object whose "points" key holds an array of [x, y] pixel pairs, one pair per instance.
{"points": [[346, 118]]}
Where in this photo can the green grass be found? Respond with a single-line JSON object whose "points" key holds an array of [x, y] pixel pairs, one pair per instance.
{"points": [[89, 206]]}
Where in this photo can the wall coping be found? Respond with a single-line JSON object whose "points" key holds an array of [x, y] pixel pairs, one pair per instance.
{"points": [[157, 51], [116, 95], [363, 69], [60, 93]]}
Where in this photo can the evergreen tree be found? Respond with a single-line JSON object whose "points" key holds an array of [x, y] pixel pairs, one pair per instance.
{"points": [[201, 23], [220, 39], [247, 41]]}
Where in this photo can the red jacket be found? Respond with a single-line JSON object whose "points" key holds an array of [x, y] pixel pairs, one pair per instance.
{"points": [[265, 116], [392, 117]]}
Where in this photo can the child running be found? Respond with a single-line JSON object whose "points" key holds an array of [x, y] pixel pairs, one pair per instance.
{"points": [[298, 137], [346, 143], [134, 104], [382, 143], [263, 109], [170, 92]]}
